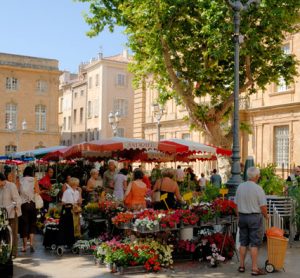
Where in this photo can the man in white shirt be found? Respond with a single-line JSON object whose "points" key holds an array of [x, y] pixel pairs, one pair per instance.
{"points": [[179, 175], [251, 207]]}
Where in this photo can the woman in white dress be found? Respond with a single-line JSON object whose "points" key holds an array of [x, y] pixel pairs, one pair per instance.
{"points": [[120, 182], [71, 201]]}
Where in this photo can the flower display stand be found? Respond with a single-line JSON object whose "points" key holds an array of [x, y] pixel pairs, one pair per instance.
{"points": [[124, 270], [187, 233]]}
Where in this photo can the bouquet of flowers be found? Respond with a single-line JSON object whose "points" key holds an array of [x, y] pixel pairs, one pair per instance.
{"points": [[4, 252], [55, 189], [3, 218]]}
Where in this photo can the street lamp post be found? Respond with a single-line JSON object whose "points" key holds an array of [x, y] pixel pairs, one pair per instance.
{"points": [[114, 119], [158, 113], [11, 127], [236, 178]]}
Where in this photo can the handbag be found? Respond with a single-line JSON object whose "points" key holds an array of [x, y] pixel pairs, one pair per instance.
{"points": [[39, 203], [156, 194]]}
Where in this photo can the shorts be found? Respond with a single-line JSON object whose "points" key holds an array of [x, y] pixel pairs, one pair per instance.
{"points": [[251, 229]]}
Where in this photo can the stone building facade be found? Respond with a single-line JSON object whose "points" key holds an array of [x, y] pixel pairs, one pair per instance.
{"points": [[274, 117], [102, 85], [29, 97]]}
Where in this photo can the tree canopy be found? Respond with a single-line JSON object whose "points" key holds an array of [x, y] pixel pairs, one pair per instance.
{"points": [[187, 48]]}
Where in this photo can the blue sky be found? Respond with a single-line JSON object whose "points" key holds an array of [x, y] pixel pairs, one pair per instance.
{"points": [[53, 29]]}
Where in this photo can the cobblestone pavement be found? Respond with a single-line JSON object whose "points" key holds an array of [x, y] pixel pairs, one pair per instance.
{"points": [[45, 264]]}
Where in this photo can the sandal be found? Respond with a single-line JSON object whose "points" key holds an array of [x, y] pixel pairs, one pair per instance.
{"points": [[257, 272], [31, 249], [241, 269], [23, 250]]}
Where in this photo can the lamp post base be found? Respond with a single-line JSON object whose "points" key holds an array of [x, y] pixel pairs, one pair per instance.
{"points": [[233, 183]]}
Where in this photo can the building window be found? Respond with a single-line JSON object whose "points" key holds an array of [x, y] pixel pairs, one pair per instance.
{"points": [[92, 137], [282, 85], [12, 83], [40, 117], [69, 122], [286, 49], [186, 136], [65, 123], [96, 134], [81, 93], [120, 132], [81, 115], [96, 108], [74, 116], [89, 109], [11, 116], [90, 82], [281, 146], [75, 95], [97, 80], [41, 86], [10, 149], [121, 105], [120, 79], [61, 105]]}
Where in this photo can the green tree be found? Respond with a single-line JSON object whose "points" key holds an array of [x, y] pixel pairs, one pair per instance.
{"points": [[186, 47]]}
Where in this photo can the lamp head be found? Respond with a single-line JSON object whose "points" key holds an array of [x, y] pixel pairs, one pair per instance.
{"points": [[111, 117], [10, 125], [155, 107], [24, 125], [117, 117]]}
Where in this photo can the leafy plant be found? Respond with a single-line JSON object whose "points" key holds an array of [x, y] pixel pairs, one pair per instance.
{"points": [[210, 193], [270, 182], [294, 192]]}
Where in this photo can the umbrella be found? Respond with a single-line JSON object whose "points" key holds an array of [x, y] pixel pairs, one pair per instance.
{"points": [[189, 147], [56, 155], [37, 153], [116, 146]]}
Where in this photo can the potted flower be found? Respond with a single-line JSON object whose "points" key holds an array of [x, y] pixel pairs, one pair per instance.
{"points": [[169, 220], [123, 220], [146, 225]]}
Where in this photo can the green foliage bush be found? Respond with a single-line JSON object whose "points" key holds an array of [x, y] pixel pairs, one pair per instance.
{"points": [[271, 183]]}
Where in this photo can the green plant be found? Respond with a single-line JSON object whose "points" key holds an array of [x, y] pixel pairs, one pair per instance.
{"points": [[270, 182], [210, 193], [294, 192]]}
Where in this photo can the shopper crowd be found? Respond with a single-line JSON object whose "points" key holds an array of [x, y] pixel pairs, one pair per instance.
{"points": [[131, 187]]}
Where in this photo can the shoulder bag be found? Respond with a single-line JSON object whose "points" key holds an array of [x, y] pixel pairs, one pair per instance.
{"points": [[156, 194], [39, 203]]}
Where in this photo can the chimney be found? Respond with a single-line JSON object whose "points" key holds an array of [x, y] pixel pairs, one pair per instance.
{"points": [[125, 53]]}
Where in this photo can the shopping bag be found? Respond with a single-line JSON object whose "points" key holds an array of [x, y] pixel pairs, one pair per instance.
{"points": [[39, 203], [275, 232]]}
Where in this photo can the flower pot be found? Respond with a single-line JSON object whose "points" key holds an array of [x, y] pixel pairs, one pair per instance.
{"points": [[131, 269], [124, 226], [186, 233]]}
